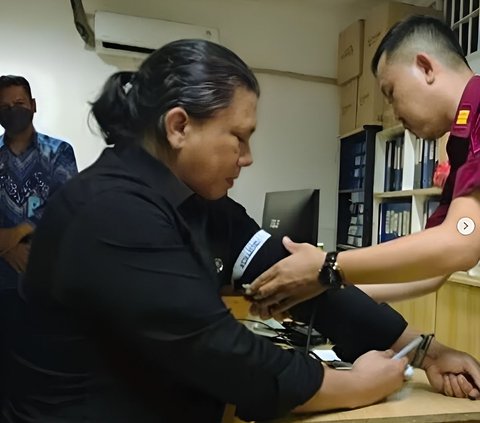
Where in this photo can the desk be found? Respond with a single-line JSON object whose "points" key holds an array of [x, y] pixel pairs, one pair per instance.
{"points": [[416, 402]]}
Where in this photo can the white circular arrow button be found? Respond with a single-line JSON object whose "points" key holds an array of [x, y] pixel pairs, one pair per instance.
{"points": [[465, 226]]}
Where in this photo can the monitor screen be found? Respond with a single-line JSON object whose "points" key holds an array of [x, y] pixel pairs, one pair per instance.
{"points": [[293, 213]]}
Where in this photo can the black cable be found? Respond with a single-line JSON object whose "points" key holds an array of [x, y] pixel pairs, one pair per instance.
{"points": [[310, 328], [281, 335]]}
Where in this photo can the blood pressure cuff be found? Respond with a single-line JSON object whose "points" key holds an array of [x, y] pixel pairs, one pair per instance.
{"points": [[352, 321], [348, 317]]}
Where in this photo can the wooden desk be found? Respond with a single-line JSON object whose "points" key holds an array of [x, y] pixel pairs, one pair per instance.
{"points": [[416, 402]]}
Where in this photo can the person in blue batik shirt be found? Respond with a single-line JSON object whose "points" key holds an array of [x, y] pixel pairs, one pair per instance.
{"points": [[32, 167]]}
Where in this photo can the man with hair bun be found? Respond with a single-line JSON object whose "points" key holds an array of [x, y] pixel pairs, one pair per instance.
{"points": [[123, 319]]}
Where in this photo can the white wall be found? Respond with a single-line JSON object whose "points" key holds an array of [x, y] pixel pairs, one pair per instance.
{"points": [[295, 146], [43, 45]]}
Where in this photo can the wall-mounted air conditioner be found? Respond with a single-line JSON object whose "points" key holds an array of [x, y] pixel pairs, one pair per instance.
{"points": [[136, 37]]}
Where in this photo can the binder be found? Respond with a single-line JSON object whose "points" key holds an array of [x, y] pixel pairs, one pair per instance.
{"points": [[401, 141], [425, 150], [396, 171], [431, 161], [388, 166], [429, 208], [417, 173], [394, 220]]}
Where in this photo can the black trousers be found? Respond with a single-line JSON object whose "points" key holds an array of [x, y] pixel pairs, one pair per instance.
{"points": [[9, 299]]}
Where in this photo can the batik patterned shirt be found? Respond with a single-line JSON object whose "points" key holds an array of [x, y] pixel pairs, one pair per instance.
{"points": [[27, 181]]}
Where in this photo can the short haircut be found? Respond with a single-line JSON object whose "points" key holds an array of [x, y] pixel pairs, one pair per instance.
{"points": [[14, 80], [421, 33]]}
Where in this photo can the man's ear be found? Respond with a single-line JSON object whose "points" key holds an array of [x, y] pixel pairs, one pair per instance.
{"points": [[427, 66], [34, 105], [175, 122]]}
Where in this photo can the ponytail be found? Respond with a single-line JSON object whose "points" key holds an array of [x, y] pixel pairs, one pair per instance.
{"points": [[111, 109], [197, 75]]}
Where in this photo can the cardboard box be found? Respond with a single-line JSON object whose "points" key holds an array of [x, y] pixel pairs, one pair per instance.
{"points": [[348, 106], [370, 101], [378, 22], [350, 52], [380, 19]]}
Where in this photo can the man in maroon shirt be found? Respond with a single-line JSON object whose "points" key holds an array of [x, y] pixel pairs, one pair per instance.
{"points": [[422, 71]]}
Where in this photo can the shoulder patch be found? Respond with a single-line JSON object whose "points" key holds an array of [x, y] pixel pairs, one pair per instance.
{"points": [[462, 117]]}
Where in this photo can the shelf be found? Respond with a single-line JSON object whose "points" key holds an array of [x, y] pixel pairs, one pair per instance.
{"points": [[349, 191], [347, 247], [464, 278], [426, 192], [358, 130], [355, 187]]}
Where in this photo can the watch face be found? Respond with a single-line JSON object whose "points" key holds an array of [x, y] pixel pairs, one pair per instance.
{"points": [[326, 275], [330, 277]]}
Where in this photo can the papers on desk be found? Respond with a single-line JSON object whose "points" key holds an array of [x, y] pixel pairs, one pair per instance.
{"points": [[263, 327], [326, 354]]}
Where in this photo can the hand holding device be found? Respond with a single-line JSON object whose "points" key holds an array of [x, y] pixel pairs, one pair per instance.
{"points": [[408, 373]]}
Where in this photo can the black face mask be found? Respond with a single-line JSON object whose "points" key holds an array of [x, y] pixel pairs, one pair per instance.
{"points": [[15, 119]]}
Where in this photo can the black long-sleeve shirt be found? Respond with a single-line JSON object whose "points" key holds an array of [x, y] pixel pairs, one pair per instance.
{"points": [[124, 320]]}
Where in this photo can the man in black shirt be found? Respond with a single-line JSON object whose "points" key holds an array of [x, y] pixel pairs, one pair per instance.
{"points": [[122, 319]]}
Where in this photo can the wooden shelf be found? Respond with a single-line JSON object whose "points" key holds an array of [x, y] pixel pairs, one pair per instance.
{"points": [[409, 193], [360, 129], [465, 279], [347, 246], [349, 191]]}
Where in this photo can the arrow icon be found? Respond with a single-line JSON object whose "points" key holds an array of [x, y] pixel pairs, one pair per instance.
{"points": [[465, 226]]}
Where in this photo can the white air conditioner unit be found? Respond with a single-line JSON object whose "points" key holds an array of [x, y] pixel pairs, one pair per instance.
{"points": [[136, 37]]}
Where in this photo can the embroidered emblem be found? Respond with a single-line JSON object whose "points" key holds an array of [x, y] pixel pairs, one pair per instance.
{"points": [[218, 264], [462, 117]]}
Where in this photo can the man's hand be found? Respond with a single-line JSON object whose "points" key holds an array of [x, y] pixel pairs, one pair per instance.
{"points": [[289, 282], [374, 376], [455, 373], [17, 257], [10, 237], [378, 375]]}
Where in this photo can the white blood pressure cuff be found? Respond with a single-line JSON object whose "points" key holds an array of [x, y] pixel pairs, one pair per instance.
{"points": [[246, 255]]}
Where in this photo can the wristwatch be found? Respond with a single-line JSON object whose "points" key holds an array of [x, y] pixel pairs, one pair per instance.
{"points": [[330, 275]]}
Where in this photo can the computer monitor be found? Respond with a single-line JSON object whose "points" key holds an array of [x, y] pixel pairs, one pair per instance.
{"points": [[293, 213]]}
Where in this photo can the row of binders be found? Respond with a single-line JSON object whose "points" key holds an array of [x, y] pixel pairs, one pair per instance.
{"points": [[395, 217], [429, 207], [355, 228], [394, 220], [426, 160], [394, 158], [425, 157]]}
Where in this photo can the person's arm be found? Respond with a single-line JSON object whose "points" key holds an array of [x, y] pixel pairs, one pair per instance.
{"points": [[10, 237], [452, 372], [64, 166], [392, 292], [17, 257], [146, 288], [355, 388], [360, 324], [433, 252], [430, 253]]}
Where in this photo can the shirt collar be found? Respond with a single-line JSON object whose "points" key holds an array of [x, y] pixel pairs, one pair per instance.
{"points": [[155, 174], [467, 110], [34, 142]]}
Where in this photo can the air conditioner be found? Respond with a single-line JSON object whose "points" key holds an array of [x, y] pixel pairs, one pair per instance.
{"points": [[136, 37]]}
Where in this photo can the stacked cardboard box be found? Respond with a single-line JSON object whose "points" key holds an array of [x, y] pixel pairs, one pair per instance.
{"points": [[350, 61], [371, 107]]}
